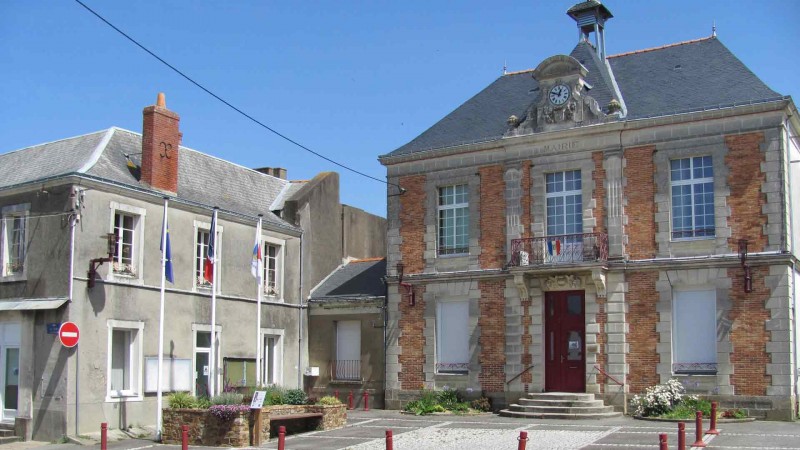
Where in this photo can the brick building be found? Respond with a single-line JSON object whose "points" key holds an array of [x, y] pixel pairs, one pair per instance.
{"points": [[601, 224]]}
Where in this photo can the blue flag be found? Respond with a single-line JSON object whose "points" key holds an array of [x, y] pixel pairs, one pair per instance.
{"points": [[168, 252]]}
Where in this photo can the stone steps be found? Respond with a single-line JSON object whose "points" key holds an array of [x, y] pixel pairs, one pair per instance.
{"points": [[560, 405]]}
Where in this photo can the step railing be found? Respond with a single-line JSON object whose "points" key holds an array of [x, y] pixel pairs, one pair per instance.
{"points": [[621, 384]]}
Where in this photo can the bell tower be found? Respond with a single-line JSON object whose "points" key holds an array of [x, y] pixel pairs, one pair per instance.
{"points": [[591, 17]]}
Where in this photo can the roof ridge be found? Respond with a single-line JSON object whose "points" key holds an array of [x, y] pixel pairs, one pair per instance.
{"points": [[635, 52], [362, 260], [518, 72], [104, 130]]}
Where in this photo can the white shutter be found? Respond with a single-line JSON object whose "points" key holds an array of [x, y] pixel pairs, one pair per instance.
{"points": [[452, 337], [348, 340], [694, 330]]}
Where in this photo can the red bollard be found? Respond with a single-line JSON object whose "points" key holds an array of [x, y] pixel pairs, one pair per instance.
{"points": [[281, 438], [366, 401], [350, 400], [336, 394], [103, 436], [184, 437], [662, 442], [681, 436], [389, 442], [698, 430], [523, 440], [713, 428]]}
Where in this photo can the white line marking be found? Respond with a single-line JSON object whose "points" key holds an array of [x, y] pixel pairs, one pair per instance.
{"points": [[69, 334]]}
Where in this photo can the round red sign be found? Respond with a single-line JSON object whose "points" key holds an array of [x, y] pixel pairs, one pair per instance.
{"points": [[68, 334]]}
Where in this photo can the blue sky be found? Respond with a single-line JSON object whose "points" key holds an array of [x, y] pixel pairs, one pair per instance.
{"points": [[352, 80]]}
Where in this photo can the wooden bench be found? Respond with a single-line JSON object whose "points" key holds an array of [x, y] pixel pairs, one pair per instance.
{"points": [[300, 422]]}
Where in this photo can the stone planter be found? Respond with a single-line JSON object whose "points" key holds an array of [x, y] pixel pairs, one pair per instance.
{"points": [[207, 430]]}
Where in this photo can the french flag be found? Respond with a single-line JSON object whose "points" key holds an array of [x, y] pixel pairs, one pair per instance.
{"points": [[208, 266]]}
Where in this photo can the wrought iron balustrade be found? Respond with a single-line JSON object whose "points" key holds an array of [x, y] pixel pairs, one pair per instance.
{"points": [[346, 369], [559, 249]]}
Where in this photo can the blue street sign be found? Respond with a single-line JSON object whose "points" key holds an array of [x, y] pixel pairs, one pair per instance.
{"points": [[52, 328]]}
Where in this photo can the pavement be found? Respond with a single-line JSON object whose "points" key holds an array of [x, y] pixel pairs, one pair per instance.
{"points": [[366, 430]]}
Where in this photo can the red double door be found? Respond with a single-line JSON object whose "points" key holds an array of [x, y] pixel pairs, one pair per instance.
{"points": [[565, 343]]}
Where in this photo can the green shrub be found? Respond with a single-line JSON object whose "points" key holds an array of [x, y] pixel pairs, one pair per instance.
{"points": [[227, 398], [428, 403], [274, 396], [178, 400], [448, 396], [203, 403], [329, 400], [734, 413], [295, 397], [659, 399], [482, 404], [459, 407]]}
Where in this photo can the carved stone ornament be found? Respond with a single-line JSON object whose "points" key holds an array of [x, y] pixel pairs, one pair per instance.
{"points": [[563, 282], [522, 286], [599, 282]]}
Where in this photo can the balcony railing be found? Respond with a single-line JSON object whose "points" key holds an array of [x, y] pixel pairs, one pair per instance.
{"points": [[346, 369], [559, 249]]}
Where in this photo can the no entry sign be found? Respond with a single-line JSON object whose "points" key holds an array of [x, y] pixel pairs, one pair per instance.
{"points": [[68, 334]]}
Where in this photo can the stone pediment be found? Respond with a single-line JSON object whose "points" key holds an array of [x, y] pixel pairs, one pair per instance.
{"points": [[559, 66]]}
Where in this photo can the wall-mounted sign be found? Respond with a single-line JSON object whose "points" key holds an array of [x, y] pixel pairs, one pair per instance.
{"points": [[52, 328]]}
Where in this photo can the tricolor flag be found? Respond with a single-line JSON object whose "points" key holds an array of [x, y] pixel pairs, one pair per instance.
{"points": [[554, 247], [208, 266], [166, 249]]}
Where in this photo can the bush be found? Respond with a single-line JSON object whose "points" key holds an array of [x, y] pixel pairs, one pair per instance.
{"points": [[227, 398], [295, 397], [227, 412], [734, 413], [482, 404], [203, 403], [329, 400], [448, 398], [180, 400], [426, 404], [659, 399], [274, 396]]}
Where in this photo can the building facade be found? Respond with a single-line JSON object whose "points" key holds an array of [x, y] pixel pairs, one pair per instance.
{"points": [[601, 224], [81, 233]]}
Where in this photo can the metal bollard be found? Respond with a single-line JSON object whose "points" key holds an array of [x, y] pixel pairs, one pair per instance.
{"points": [[713, 428], [662, 442], [523, 440], [366, 401], [681, 436], [698, 430], [104, 436], [281, 438], [184, 437], [389, 441], [350, 400]]}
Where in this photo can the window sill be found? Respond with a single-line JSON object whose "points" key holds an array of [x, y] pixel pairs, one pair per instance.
{"points": [[693, 239], [125, 278], [13, 278], [452, 255], [347, 382], [122, 398]]}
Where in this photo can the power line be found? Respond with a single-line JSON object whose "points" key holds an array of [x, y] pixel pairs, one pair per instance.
{"points": [[228, 104]]}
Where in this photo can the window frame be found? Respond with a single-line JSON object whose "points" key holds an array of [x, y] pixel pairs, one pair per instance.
{"points": [[277, 356], [678, 334], [200, 226], [135, 362], [8, 214], [693, 183], [439, 333], [442, 209], [206, 328], [339, 346], [280, 245], [564, 195], [137, 253]]}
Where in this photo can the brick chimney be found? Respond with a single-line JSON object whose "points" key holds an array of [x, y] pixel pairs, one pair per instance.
{"points": [[160, 141], [277, 172]]}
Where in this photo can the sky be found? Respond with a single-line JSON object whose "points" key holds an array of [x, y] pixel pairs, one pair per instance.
{"points": [[352, 80]]}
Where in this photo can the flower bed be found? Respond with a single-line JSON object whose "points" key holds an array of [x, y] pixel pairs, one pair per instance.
{"points": [[209, 430]]}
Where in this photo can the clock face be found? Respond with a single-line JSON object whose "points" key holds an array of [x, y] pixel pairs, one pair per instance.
{"points": [[559, 94]]}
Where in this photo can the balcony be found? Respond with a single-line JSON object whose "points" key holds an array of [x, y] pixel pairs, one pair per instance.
{"points": [[559, 249], [345, 369]]}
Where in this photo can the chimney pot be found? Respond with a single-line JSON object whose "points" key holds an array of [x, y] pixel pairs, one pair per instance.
{"points": [[161, 101]]}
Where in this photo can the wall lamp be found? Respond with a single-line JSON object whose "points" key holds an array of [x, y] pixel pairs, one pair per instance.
{"points": [[748, 276], [97, 262], [412, 300]]}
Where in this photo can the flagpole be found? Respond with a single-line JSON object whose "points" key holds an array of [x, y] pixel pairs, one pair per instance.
{"points": [[259, 293], [212, 366], [161, 320]]}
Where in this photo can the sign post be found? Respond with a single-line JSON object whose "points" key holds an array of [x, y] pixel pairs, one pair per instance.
{"points": [[255, 409]]}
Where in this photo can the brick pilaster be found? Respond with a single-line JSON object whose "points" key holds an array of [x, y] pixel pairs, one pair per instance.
{"points": [[492, 340], [640, 192], [747, 220], [749, 335], [643, 336], [412, 223], [492, 217]]}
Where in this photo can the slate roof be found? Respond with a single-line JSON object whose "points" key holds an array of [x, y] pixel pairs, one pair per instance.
{"points": [[358, 279], [202, 179], [678, 78]]}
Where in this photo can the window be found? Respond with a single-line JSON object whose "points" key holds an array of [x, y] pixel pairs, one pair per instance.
{"points": [[273, 270], [272, 354], [202, 234], [452, 337], [453, 220], [125, 361], [692, 197], [12, 242], [239, 372], [347, 365], [201, 249], [564, 203], [202, 356], [694, 332], [127, 225]]}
